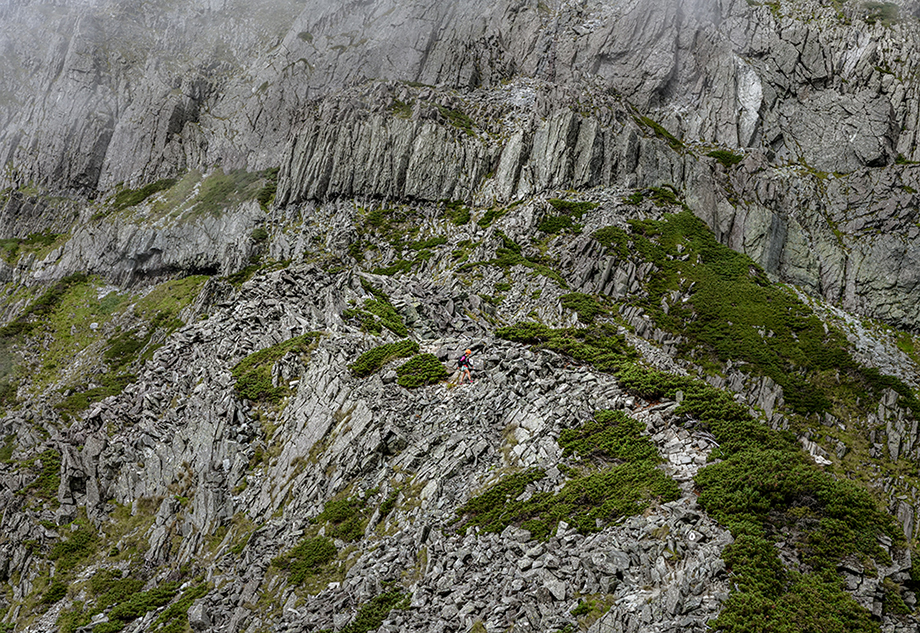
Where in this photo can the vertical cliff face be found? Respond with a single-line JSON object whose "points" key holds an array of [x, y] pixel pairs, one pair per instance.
{"points": [[134, 93], [243, 244]]}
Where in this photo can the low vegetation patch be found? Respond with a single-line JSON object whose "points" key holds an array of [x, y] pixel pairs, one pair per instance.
{"points": [[674, 142], [568, 212], [13, 248], [458, 119], [253, 374], [726, 157], [587, 306], [600, 345], [510, 254], [588, 500], [421, 370], [372, 614], [83, 397], [76, 546], [309, 558], [764, 490], [372, 360], [266, 194], [45, 485], [764, 326], [456, 212], [126, 198], [377, 313]]}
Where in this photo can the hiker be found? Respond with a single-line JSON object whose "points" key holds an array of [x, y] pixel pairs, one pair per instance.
{"points": [[463, 363]]}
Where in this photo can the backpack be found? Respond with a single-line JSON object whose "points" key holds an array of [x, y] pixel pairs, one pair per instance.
{"points": [[463, 361]]}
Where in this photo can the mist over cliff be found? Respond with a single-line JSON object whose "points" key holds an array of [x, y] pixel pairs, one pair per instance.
{"points": [[242, 245]]}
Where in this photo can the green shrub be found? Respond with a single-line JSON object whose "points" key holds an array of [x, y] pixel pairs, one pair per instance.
{"points": [[588, 500], [458, 119], [377, 313], [45, 486], [584, 608], [346, 519], [55, 592], [266, 194], [253, 374], [72, 619], [601, 345], [558, 224], [80, 400], [139, 604], [75, 547], [764, 327], [456, 212], [587, 307], [259, 234], [510, 254], [176, 614], [492, 214], [726, 157], [674, 142], [133, 197], [372, 360], [9, 445], [111, 587], [308, 558], [372, 614], [420, 370]]}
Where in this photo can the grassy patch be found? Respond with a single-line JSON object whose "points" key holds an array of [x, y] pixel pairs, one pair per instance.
{"points": [[253, 374], [726, 157], [194, 195], [511, 254], [40, 242], [80, 400], [308, 558], [456, 212], [733, 312], [421, 370], [458, 119], [372, 614], [169, 298], [674, 142], [45, 485], [45, 304], [588, 500], [372, 360], [126, 198], [377, 313]]}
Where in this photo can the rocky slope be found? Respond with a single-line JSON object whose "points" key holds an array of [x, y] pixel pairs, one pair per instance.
{"points": [[243, 246]]}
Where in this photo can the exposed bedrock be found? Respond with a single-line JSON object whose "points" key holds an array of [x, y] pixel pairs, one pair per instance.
{"points": [[112, 95]]}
